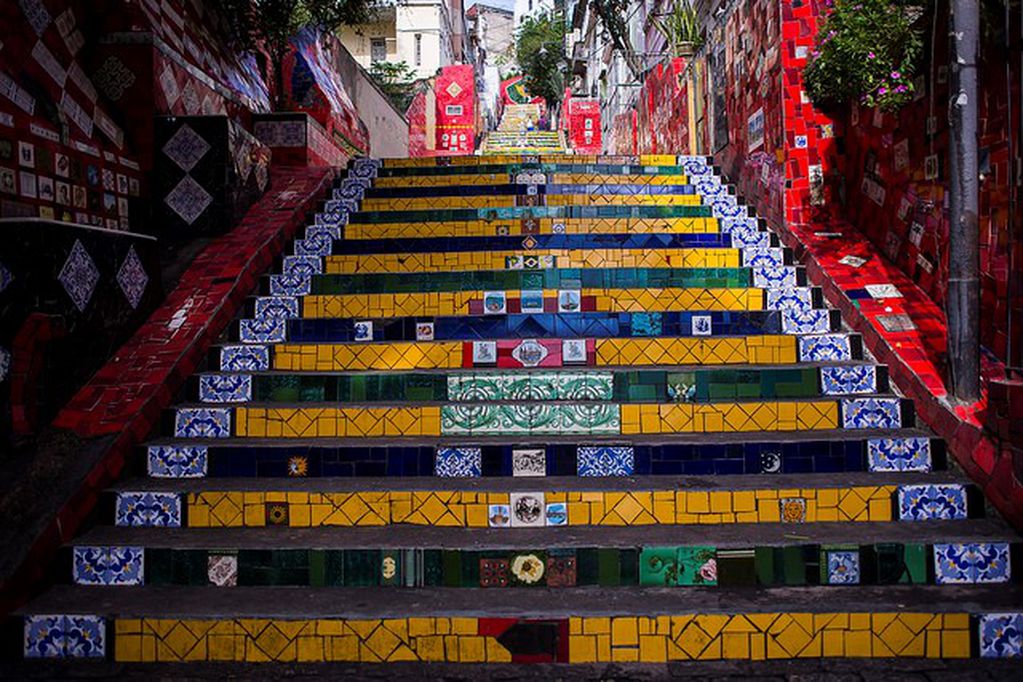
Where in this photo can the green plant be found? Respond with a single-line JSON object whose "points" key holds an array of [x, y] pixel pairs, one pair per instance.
{"points": [[614, 18], [868, 50], [538, 47], [680, 27], [395, 79]]}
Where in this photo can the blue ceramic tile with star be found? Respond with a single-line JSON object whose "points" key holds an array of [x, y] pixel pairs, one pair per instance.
{"points": [[789, 298], [1000, 635], [177, 461], [871, 413], [202, 422], [245, 358], [899, 454], [108, 565], [824, 348], [973, 562], [303, 265], [941, 501], [225, 388], [778, 276], [846, 380], [459, 462], [605, 460], [290, 285], [65, 636], [843, 567], [809, 321], [263, 330], [763, 257], [148, 509], [277, 307]]}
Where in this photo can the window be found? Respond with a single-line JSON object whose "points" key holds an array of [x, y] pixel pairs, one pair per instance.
{"points": [[419, 49], [378, 50], [454, 110]]}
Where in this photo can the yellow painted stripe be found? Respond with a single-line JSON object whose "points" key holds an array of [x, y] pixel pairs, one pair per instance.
{"points": [[680, 636], [471, 509], [447, 303]]}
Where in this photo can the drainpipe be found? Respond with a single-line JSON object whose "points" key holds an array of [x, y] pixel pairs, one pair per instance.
{"points": [[964, 249]]}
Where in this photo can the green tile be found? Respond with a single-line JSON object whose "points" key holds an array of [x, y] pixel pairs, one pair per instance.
{"points": [[609, 572], [317, 568], [587, 567], [628, 565], [334, 568], [362, 567], [737, 568], [452, 563], [657, 566], [433, 568]]}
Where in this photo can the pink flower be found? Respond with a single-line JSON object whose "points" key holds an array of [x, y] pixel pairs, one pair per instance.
{"points": [[895, 75], [901, 88], [709, 571], [870, 55], [882, 90]]}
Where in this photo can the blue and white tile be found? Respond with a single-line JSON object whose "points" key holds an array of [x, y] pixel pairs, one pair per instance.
{"points": [[695, 165], [315, 231], [303, 265], [277, 308], [321, 245], [263, 330], [775, 277], [557, 514], [108, 565], [605, 460], [843, 567], [290, 285], [744, 223], [1001, 635], [750, 240], [763, 257], [789, 298], [148, 510], [710, 187], [225, 388], [848, 379], [972, 563], [458, 462], [177, 461], [245, 359], [825, 348], [899, 454], [871, 413], [941, 501], [811, 321], [60, 636], [339, 216], [202, 422], [722, 208], [79, 276]]}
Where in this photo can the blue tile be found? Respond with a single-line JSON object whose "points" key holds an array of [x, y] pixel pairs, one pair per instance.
{"points": [[148, 509], [202, 422], [458, 462], [605, 460], [871, 413], [824, 348], [177, 461], [944, 501], [843, 567], [899, 454], [225, 388], [65, 636], [108, 565], [1001, 635], [972, 563], [848, 379], [245, 359]]}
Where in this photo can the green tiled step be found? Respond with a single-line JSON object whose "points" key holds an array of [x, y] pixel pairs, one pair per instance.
{"points": [[619, 386]]}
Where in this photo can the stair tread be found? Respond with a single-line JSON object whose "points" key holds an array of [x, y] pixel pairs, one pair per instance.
{"points": [[388, 602], [724, 536]]}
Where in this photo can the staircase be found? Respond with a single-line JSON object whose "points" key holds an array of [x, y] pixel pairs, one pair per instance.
{"points": [[512, 135], [537, 409]]}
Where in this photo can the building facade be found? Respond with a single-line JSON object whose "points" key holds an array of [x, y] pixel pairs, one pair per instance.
{"points": [[421, 33]]}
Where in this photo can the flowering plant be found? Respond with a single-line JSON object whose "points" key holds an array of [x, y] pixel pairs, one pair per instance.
{"points": [[865, 49]]}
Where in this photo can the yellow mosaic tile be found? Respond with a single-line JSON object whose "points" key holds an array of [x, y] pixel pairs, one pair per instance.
{"points": [[493, 228], [449, 303], [563, 258], [355, 356], [623, 200], [465, 509], [336, 422], [646, 639]]}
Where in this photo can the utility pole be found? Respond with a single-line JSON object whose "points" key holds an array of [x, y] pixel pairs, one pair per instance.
{"points": [[964, 249]]}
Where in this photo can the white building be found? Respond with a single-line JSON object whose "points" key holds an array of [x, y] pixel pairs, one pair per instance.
{"points": [[531, 8], [420, 33]]}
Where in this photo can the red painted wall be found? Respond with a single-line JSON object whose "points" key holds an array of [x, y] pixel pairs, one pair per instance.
{"points": [[584, 131], [455, 90]]}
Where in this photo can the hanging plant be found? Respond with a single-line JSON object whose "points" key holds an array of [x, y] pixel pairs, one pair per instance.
{"points": [[866, 50], [681, 29]]}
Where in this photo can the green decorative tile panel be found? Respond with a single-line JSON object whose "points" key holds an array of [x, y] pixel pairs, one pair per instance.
{"points": [[533, 419], [531, 386]]}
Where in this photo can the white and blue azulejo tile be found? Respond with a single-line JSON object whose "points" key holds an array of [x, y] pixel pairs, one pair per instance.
{"points": [[320, 231], [1001, 635], [710, 187], [695, 165], [843, 567], [148, 509], [846, 380], [824, 348], [725, 206], [934, 502], [899, 454], [763, 257], [775, 276], [108, 565], [265, 330], [290, 285], [972, 562], [225, 388], [177, 461], [750, 240], [202, 422], [790, 298], [277, 308], [320, 245], [75, 636], [459, 462], [871, 413], [605, 460], [303, 265], [245, 359], [810, 321]]}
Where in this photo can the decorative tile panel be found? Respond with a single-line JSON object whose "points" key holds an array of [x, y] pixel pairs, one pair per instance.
{"points": [[303, 265], [528, 510], [763, 257], [79, 276], [825, 348], [290, 285], [186, 148], [605, 460], [847, 380], [148, 509], [1001, 635], [971, 563], [108, 565], [177, 461], [225, 388], [791, 298], [245, 358], [188, 199], [263, 330], [77, 636], [202, 422], [944, 501], [535, 418], [843, 567], [132, 278], [810, 321], [458, 462], [277, 307], [776, 276], [871, 413], [899, 454]]}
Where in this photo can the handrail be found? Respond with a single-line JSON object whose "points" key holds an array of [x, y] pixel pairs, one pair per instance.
{"points": [[94, 228]]}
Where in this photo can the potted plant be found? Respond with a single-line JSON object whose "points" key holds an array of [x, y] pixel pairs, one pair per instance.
{"points": [[681, 29]]}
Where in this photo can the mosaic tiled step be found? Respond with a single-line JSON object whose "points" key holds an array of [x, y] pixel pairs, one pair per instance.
{"points": [[522, 502], [509, 188], [500, 175], [498, 228], [561, 278], [325, 420], [550, 326], [526, 212], [835, 452], [449, 303], [513, 353], [377, 624], [517, 258], [468, 202], [942, 553], [573, 160], [620, 386]]}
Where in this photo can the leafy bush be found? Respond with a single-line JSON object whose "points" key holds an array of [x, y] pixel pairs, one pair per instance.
{"points": [[866, 50], [538, 45]]}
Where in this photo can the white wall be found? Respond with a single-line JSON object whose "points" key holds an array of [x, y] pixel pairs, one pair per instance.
{"points": [[429, 20], [527, 8]]}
